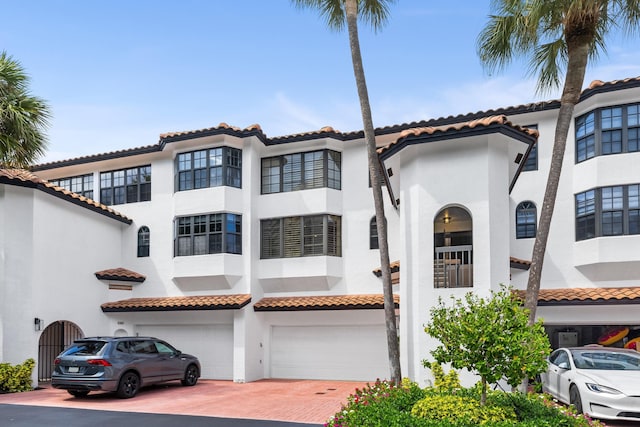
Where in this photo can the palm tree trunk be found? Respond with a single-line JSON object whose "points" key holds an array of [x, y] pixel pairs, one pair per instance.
{"points": [[578, 53], [351, 9]]}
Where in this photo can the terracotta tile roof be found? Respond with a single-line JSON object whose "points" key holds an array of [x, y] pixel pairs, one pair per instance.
{"points": [[395, 272], [216, 129], [165, 138], [597, 84], [24, 178], [586, 296], [594, 88], [485, 122], [325, 132], [519, 263], [394, 266], [181, 303], [327, 302], [96, 157], [121, 274]]}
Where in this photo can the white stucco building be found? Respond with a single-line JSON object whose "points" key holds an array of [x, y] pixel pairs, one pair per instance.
{"points": [[257, 254]]}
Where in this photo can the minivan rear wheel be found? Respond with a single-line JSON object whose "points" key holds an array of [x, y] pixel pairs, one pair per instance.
{"points": [[128, 386], [190, 376]]}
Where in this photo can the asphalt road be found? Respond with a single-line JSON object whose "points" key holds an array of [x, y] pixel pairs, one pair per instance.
{"points": [[32, 416]]}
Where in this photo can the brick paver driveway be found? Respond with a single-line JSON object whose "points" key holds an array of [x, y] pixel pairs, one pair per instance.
{"points": [[302, 401]]}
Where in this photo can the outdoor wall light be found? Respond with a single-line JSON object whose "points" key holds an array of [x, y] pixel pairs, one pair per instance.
{"points": [[37, 324]]}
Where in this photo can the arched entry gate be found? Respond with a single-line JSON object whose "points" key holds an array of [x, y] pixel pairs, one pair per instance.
{"points": [[53, 340]]}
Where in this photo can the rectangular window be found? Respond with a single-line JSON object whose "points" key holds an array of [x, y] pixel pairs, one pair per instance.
{"points": [[208, 234], [633, 204], [81, 184], [301, 236], [215, 167], [585, 138], [302, 171], [612, 206], [616, 212], [610, 130], [633, 124], [125, 186], [585, 215], [532, 161]]}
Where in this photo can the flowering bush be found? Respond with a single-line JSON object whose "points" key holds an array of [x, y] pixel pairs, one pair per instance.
{"points": [[383, 404], [386, 404]]}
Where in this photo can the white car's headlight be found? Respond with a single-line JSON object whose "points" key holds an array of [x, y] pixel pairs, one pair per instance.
{"points": [[602, 389]]}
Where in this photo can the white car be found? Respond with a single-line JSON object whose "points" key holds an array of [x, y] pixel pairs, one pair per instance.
{"points": [[602, 382]]}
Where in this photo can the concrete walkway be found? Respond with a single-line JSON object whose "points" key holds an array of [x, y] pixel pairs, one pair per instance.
{"points": [[303, 401]]}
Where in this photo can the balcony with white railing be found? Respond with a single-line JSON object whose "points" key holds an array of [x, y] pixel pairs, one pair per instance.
{"points": [[453, 267]]}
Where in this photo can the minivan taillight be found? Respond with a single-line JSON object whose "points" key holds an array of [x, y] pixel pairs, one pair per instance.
{"points": [[100, 362]]}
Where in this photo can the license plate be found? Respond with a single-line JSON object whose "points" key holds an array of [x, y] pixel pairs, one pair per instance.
{"points": [[73, 369]]}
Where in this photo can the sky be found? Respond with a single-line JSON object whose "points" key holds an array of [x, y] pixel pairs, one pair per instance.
{"points": [[118, 73]]}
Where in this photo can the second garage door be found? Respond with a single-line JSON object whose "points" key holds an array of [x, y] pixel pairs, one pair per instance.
{"points": [[212, 344], [348, 352]]}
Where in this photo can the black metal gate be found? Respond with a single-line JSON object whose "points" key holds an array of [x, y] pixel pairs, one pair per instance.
{"points": [[53, 340]]}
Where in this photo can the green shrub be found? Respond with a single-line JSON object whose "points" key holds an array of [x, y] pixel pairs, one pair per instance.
{"points": [[14, 378], [444, 382], [383, 404], [464, 410]]}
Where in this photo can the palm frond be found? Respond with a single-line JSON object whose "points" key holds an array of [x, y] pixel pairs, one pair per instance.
{"points": [[548, 63], [23, 118], [374, 13]]}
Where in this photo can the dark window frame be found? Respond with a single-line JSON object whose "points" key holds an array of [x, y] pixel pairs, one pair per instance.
{"points": [[301, 171], [206, 234], [301, 236], [374, 243], [79, 184], [207, 168], [614, 129], [144, 241], [608, 211], [526, 220], [532, 161], [121, 186]]}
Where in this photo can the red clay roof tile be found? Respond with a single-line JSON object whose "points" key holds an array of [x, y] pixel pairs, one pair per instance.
{"points": [[519, 263], [26, 178], [585, 296], [325, 302], [254, 127], [179, 303], [121, 274], [455, 127]]}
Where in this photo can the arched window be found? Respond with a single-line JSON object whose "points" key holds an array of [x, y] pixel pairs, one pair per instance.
{"points": [[526, 220], [373, 234], [143, 241], [453, 248]]}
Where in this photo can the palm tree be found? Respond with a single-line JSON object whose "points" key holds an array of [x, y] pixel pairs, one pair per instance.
{"points": [[375, 13], [557, 36], [23, 118]]}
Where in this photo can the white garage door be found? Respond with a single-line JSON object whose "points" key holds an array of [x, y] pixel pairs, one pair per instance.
{"points": [[212, 344], [357, 353]]}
